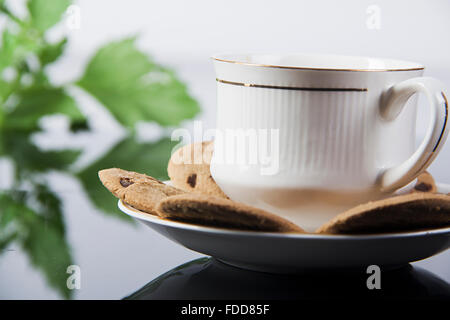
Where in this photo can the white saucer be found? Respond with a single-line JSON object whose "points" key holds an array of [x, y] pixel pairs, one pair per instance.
{"points": [[293, 253]]}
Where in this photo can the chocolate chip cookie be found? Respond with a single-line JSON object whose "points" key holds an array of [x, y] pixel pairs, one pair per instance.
{"points": [[425, 183], [219, 212], [188, 169], [401, 213], [138, 190]]}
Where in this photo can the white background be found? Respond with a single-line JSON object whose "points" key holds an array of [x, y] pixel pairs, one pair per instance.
{"points": [[116, 258]]}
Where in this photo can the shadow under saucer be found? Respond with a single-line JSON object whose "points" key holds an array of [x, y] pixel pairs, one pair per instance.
{"points": [[208, 278]]}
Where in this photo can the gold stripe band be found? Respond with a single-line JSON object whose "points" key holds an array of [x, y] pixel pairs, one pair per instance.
{"points": [[425, 164], [445, 122], [288, 88]]}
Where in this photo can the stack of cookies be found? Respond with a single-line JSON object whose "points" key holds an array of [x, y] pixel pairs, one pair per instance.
{"points": [[153, 196], [194, 197]]}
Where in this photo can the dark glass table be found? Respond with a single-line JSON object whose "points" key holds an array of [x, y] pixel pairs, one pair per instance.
{"points": [[208, 278]]}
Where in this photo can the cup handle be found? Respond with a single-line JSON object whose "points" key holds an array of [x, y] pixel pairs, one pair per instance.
{"points": [[392, 103]]}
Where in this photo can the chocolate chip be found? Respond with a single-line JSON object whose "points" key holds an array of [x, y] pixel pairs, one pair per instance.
{"points": [[424, 187], [192, 180], [125, 182]]}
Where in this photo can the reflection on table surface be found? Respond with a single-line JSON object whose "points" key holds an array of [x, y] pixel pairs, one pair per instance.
{"points": [[208, 278]]}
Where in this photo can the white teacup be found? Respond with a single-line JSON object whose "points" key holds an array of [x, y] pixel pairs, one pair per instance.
{"points": [[331, 131]]}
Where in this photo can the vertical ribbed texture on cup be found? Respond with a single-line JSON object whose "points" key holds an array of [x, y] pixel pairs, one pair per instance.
{"points": [[322, 133]]}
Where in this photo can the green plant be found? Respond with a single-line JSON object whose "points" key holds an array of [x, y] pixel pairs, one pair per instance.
{"points": [[121, 78]]}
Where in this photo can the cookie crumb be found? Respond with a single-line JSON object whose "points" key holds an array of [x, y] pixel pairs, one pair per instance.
{"points": [[192, 180]]}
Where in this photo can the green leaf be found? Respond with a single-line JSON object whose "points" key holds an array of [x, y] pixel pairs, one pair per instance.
{"points": [[5, 90], [149, 158], [3, 150], [6, 241], [133, 88], [4, 8], [2, 116], [8, 231], [29, 158], [79, 126], [49, 252], [47, 249], [51, 52], [39, 101], [51, 208], [15, 47], [42, 240], [9, 44], [46, 13], [6, 214]]}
